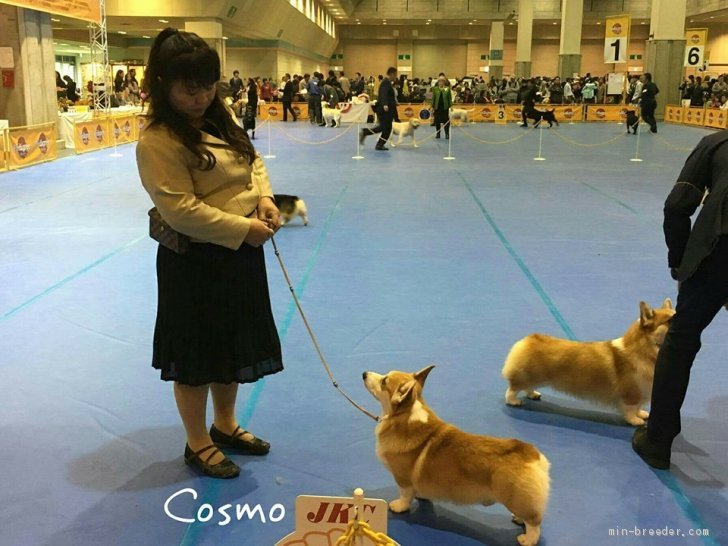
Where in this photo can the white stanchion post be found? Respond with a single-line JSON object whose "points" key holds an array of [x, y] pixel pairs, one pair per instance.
{"points": [[116, 152], [449, 157], [270, 155], [540, 140], [358, 146], [636, 157]]}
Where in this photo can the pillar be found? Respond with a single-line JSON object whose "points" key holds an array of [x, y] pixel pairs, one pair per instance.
{"points": [[211, 32], [523, 41], [572, 17], [665, 51], [497, 31], [32, 100]]}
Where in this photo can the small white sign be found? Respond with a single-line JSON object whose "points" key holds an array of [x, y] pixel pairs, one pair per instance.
{"points": [[323, 520], [6, 57], [615, 50]]}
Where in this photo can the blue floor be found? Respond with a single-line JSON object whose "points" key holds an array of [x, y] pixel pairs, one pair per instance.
{"points": [[408, 259]]}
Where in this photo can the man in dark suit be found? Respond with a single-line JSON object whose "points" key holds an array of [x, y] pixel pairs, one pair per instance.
{"points": [[386, 110], [698, 259], [528, 99], [287, 98]]}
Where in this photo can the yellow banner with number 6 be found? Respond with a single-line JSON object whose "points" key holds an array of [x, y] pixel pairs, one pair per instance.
{"points": [[695, 40]]}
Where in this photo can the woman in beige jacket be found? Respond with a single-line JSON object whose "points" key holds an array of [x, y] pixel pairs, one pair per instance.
{"points": [[214, 326]]}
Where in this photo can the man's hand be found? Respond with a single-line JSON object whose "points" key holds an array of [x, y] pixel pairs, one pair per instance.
{"points": [[269, 213], [386, 108]]}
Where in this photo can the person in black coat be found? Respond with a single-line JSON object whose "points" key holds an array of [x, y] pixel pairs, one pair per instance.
{"points": [[71, 93], [698, 260], [648, 101], [528, 99], [287, 98], [251, 109], [386, 110]]}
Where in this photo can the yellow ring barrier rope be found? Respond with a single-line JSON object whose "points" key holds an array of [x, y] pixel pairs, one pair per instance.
{"points": [[315, 143], [575, 143], [362, 529], [519, 137], [674, 147]]}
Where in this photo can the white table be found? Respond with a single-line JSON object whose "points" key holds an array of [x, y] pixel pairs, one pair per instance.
{"points": [[355, 113], [66, 121]]}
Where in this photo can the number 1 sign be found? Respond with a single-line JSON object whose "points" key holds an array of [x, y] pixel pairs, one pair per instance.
{"points": [[695, 40], [616, 39]]}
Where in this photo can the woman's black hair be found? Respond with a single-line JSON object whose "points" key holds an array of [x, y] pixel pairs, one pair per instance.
{"points": [[184, 56]]}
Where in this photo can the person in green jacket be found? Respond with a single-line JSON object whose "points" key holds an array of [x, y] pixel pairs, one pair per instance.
{"points": [[441, 103]]}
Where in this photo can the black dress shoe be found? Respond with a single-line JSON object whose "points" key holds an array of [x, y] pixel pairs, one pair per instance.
{"points": [[256, 446], [381, 149], [225, 469], [654, 454]]}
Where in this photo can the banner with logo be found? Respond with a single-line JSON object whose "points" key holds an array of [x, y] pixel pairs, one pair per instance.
{"points": [[30, 145], [673, 113], [715, 118], [695, 41], [141, 121], [92, 134], [693, 116], [274, 111], [123, 129], [607, 112], [616, 39], [87, 10], [513, 112], [3, 150]]}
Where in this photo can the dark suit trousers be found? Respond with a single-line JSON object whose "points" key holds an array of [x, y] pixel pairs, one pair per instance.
{"points": [[287, 108], [648, 114], [699, 300]]}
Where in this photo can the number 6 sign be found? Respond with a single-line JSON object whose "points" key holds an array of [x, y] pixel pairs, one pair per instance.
{"points": [[695, 40]]}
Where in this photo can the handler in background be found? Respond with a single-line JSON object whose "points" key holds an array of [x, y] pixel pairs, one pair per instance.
{"points": [[698, 260]]}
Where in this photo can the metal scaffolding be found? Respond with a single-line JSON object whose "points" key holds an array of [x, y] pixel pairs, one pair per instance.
{"points": [[102, 83]]}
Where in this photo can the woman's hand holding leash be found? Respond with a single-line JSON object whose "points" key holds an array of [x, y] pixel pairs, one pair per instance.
{"points": [[269, 213], [259, 233]]}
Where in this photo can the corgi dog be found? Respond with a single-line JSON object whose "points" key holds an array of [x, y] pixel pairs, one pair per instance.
{"points": [[291, 206], [434, 460], [617, 372]]}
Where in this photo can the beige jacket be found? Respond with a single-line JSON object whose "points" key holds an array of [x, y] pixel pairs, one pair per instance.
{"points": [[209, 206]]}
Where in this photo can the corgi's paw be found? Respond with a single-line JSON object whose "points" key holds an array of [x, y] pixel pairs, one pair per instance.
{"points": [[515, 519], [523, 540], [643, 414], [534, 395], [398, 506], [512, 398], [635, 420]]}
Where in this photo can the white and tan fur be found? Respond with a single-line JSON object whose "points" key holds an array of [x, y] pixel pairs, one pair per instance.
{"points": [[434, 460], [331, 115], [291, 206], [460, 114], [616, 373], [403, 129]]}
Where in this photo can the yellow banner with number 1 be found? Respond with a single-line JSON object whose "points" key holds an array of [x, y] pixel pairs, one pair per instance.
{"points": [[616, 39]]}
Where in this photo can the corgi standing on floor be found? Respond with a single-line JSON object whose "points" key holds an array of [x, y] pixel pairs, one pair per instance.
{"points": [[617, 372], [437, 461], [291, 206]]}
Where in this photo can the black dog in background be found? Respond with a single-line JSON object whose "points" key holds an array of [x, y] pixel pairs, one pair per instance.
{"points": [[543, 115], [632, 121]]}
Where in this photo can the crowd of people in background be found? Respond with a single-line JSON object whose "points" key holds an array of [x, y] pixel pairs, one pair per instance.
{"points": [[704, 91]]}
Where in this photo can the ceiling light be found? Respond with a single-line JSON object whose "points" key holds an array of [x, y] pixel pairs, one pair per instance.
{"points": [[643, 23], [599, 22], [358, 22], [510, 23], [555, 23], [121, 32], [147, 37], [55, 20], [224, 37], [162, 20]]}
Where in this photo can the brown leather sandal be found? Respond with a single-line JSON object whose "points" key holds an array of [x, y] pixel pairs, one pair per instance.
{"points": [[224, 469], [256, 446]]}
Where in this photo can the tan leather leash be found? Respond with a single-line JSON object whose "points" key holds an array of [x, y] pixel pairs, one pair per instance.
{"points": [[313, 337]]}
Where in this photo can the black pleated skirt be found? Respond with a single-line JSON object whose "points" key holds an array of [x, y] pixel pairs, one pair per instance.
{"points": [[214, 321]]}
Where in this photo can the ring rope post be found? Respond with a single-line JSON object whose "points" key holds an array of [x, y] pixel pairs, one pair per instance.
{"points": [[357, 528], [636, 158], [313, 337], [358, 145], [449, 157], [270, 155], [540, 140]]}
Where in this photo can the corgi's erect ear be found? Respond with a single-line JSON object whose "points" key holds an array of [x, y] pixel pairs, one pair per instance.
{"points": [[647, 313], [421, 376], [667, 304], [404, 394]]}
